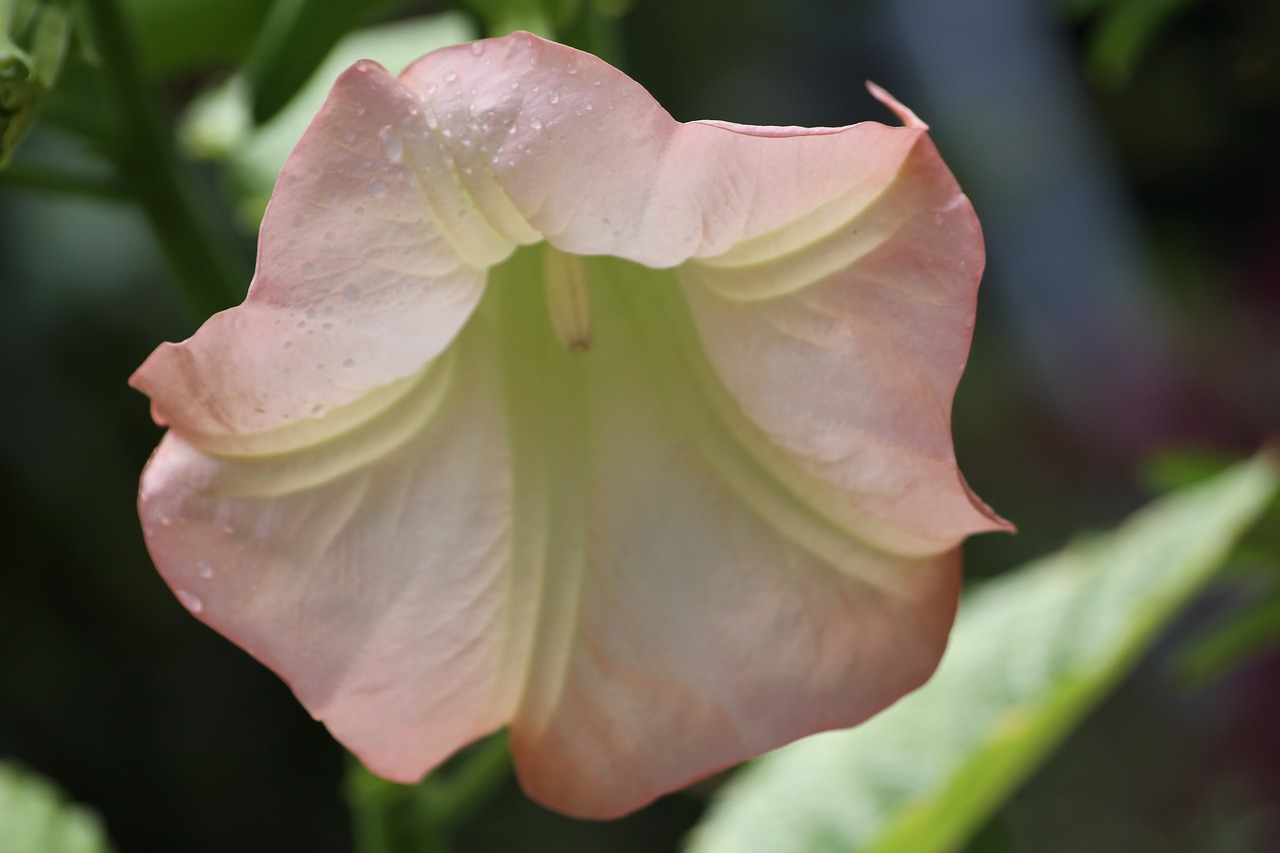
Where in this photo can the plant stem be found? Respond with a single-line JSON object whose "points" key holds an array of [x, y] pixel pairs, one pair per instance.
{"points": [[44, 178], [200, 246], [422, 818]]}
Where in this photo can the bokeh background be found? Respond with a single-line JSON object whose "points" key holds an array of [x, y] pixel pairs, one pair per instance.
{"points": [[1123, 157]]}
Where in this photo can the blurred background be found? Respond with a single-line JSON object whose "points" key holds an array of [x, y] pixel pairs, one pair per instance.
{"points": [[1123, 157]]}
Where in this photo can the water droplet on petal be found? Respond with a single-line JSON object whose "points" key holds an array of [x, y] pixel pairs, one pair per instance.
{"points": [[376, 187], [291, 180], [937, 218], [432, 120], [189, 600], [476, 48], [204, 570], [553, 97], [535, 123], [392, 144], [450, 76], [349, 136]]}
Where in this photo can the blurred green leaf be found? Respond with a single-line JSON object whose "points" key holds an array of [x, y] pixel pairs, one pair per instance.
{"points": [[180, 36], [1232, 643], [33, 45], [1171, 470], [36, 818], [500, 17], [1031, 653], [1124, 31], [295, 38], [219, 124]]}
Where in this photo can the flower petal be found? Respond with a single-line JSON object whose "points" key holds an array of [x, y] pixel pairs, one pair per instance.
{"points": [[716, 617], [590, 161], [369, 571], [369, 263], [846, 347]]}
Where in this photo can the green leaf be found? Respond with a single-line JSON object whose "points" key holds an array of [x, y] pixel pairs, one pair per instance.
{"points": [[1126, 29], [36, 818], [180, 36], [295, 38], [1236, 640], [219, 124], [1031, 653], [33, 44]]}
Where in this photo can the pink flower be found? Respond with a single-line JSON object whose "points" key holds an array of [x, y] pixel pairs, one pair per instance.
{"points": [[547, 411]]}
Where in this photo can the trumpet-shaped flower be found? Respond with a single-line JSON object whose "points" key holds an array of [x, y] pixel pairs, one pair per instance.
{"points": [[547, 411]]}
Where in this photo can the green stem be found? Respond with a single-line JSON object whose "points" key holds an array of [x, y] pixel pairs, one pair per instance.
{"points": [[44, 178], [200, 246], [391, 818]]}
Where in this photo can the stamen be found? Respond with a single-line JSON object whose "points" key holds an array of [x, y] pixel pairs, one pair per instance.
{"points": [[568, 298]]}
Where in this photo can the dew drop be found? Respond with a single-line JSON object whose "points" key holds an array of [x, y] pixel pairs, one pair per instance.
{"points": [[432, 120], [553, 97], [535, 123], [165, 521], [288, 344], [968, 322], [360, 109], [189, 600], [349, 136], [351, 293], [332, 199], [291, 180], [204, 570], [937, 218], [588, 107], [476, 48], [571, 68], [377, 188], [392, 144], [450, 76]]}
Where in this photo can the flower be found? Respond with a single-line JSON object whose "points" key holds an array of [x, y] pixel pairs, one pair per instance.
{"points": [[545, 410]]}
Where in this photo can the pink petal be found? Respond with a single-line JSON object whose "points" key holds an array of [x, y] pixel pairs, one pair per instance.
{"points": [[368, 266], [371, 572], [847, 351], [716, 618]]}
